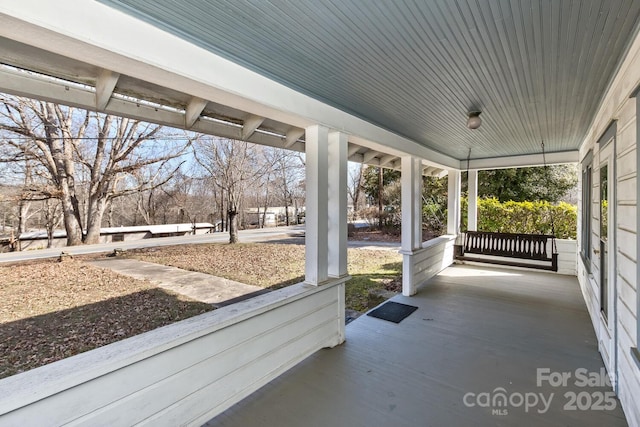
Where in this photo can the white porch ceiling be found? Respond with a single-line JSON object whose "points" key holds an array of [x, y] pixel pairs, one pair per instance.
{"points": [[537, 69]]}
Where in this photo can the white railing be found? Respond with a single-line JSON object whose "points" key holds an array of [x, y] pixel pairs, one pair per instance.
{"points": [[184, 373]]}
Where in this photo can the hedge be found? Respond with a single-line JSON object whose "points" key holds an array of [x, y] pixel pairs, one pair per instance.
{"points": [[525, 217]]}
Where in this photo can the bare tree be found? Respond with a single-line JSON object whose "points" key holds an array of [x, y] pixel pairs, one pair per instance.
{"points": [[53, 218], [234, 167], [69, 143], [289, 169], [354, 183]]}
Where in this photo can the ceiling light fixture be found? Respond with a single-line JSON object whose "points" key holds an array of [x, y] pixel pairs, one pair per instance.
{"points": [[474, 121]]}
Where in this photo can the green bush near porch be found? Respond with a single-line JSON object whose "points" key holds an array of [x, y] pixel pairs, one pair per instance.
{"points": [[525, 217]]}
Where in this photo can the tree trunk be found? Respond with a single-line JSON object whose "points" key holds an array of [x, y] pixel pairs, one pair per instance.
{"points": [[380, 189], [222, 222], [94, 223], [286, 211], [23, 213], [71, 223], [233, 226]]}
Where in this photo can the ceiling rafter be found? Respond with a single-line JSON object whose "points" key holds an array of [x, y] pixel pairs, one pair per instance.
{"points": [[353, 149], [250, 125], [387, 159], [369, 155], [105, 85], [293, 135], [194, 109]]}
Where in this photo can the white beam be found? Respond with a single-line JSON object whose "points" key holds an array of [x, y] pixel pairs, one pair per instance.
{"points": [[430, 171], [293, 135], [31, 86], [194, 109], [251, 123], [528, 160], [369, 155], [317, 204], [105, 85], [472, 206], [453, 202], [353, 149], [337, 204], [441, 174], [387, 159]]}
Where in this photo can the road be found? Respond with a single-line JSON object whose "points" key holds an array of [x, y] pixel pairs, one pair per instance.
{"points": [[292, 233]]}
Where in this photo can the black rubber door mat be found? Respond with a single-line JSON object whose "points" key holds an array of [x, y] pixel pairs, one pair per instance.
{"points": [[392, 311]]}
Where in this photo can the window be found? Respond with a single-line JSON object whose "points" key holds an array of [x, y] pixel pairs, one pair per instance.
{"points": [[585, 241]]}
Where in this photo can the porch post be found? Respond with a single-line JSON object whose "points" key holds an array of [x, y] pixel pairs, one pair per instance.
{"points": [[453, 203], [411, 220], [337, 197], [472, 202], [317, 204]]}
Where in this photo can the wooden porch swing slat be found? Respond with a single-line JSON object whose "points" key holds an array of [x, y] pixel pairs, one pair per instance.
{"points": [[510, 247]]}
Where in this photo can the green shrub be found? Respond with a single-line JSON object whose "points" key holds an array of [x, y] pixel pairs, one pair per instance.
{"points": [[525, 217]]}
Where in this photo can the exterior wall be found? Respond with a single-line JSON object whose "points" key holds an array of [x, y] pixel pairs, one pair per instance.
{"points": [[30, 245], [184, 373], [618, 105], [434, 256], [567, 257]]}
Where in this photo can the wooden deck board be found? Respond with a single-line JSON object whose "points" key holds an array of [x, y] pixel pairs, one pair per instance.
{"points": [[476, 329]]}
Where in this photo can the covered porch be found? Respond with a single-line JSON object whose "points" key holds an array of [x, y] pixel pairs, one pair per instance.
{"points": [[477, 330]]}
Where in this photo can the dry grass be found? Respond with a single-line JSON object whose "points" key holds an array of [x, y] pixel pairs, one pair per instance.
{"points": [[53, 310], [273, 266], [267, 265]]}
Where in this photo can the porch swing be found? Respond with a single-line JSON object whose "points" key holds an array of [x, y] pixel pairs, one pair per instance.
{"points": [[511, 249]]}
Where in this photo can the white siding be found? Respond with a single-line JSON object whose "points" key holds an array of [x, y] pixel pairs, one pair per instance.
{"points": [[618, 105], [181, 374], [567, 256], [425, 263]]}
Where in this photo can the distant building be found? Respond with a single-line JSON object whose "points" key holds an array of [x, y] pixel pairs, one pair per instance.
{"points": [[273, 216], [38, 239]]}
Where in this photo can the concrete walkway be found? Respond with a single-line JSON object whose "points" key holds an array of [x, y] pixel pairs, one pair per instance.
{"points": [[199, 286]]}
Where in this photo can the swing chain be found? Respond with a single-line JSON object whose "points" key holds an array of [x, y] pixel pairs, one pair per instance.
{"points": [[548, 179]]}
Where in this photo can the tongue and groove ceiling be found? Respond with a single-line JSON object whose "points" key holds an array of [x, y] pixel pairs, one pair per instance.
{"points": [[537, 69]]}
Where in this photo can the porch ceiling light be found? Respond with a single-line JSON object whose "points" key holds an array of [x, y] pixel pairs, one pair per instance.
{"points": [[474, 121]]}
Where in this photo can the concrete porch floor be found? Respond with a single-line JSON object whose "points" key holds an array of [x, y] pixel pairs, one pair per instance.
{"points": [[476, 330]]}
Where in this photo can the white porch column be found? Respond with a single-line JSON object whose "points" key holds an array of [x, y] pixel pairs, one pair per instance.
{"points": [[411, 203], [337, 186], [472, 206], [453, 217], [411, 220], [317, 204]]}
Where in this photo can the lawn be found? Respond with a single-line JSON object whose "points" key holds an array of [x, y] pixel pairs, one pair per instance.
{"points": [[273, 265], [51, 310]]}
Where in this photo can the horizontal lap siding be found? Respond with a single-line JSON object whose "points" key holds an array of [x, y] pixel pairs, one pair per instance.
{"points": [[195, 380], [430, 261], [617, 105], [567, 253], [626, 234]]}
